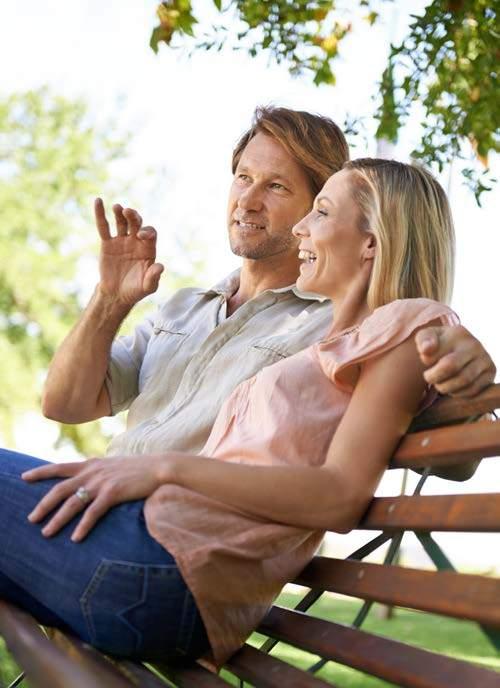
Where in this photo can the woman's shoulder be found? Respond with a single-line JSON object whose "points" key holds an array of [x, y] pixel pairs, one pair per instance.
{"points": [[404, 313]]}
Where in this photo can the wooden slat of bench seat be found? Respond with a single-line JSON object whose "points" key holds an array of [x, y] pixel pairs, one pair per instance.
{"points": [[45, 664], [447, 446], [264, 671], [456, 513], [135, 674], [191, 676], [450, 409], [393, 661], [443, 592]]}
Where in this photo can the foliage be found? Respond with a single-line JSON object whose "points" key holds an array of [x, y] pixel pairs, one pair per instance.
{"points": [[51, 163], [445, 68]]}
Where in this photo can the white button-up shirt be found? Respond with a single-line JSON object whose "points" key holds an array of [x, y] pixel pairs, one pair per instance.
{"points": [[176, 370]]}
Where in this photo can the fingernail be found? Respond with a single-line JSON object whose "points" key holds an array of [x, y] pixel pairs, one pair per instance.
{"points": [[31, 516], [46, 531]]}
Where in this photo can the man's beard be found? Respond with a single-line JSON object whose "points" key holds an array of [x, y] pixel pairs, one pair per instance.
{"points": [[269, 246]]}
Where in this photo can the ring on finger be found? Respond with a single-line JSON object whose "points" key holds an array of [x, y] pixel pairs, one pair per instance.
{"points": [[83, 494]]}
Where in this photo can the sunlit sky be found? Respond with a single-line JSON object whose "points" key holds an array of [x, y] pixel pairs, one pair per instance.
{"points": [[184, 115]]}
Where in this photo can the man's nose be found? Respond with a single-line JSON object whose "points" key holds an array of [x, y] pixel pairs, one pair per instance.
{"points": [[251, 198]]}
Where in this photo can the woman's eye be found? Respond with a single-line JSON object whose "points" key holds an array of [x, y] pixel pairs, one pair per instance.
{"points": [[320, 211]]}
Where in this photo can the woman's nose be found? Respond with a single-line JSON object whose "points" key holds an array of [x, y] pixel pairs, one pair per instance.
{"points": [[300, 229]]}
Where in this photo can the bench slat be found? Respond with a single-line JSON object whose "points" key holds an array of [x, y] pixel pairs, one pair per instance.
{"points": [[45, 664], [443, 592], [448, 446], [264, 671], [450, 409], [393, 661], [459, 513], [191, 676]]}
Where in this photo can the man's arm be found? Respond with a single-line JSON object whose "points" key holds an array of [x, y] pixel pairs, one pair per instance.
{"points": [[458, 365], [75, 390]]}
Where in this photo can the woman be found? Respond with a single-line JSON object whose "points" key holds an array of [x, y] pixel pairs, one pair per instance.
{"points": [[299, 448]]}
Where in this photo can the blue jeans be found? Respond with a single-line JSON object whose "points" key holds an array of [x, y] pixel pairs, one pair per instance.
{"points": [[118, 589]]}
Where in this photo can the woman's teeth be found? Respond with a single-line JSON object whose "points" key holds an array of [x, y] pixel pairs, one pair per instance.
{"points": [[307, 256]]}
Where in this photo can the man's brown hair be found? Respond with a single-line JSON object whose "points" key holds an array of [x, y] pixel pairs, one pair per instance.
{"points": [[315, 142]]}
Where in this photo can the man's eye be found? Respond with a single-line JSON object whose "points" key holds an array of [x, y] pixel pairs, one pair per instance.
{"points": [[280, 187], [243, 177]]}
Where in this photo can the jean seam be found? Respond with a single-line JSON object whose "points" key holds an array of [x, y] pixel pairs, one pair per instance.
{"points": [[95, 580]]}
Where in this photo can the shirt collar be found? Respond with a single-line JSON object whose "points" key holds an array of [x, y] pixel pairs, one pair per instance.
{"points": [[229, 285]]}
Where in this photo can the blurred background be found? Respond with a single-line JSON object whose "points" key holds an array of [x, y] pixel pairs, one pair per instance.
{"points": [[87, 108]]}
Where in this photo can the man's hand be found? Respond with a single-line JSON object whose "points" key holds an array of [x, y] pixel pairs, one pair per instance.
{"points": [[457, 363], [127, 261], [106, 482]]}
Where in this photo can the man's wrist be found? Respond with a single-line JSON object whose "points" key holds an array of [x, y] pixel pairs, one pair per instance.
{"points": [[109, 306]]}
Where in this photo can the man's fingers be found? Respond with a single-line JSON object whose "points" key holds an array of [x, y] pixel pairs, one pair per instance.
{"points": [[427, 341], [134, 220], [121, 222], [100, 219], [147, 233], [152, 278], [469, 382], [92, 514]]}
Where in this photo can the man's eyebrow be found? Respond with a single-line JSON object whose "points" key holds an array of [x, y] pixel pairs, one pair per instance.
{"points": [[272, 175]]}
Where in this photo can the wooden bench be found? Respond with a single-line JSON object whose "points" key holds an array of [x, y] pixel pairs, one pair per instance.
{"points": [[452, 432]]}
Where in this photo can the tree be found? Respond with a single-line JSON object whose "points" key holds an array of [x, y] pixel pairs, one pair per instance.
{"points": [[446, 65], [52, 161]]}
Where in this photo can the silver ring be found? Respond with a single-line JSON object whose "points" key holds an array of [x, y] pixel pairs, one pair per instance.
{"points": [[82, 493]]}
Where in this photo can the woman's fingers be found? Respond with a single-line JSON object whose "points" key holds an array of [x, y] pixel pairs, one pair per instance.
{"points": [[53, 470], [59, 493], [71, 507], [91, 515]]}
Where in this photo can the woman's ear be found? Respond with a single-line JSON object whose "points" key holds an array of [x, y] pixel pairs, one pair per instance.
{"points": [[370, 247]]}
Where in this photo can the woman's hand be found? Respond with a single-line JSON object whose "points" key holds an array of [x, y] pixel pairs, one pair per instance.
{"points": [[105, 482]]}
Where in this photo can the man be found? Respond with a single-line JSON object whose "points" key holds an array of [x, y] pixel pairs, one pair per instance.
{"points": [[180, 365]]}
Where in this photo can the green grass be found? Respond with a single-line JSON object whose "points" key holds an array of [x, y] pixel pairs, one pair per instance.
{"points": [[460, 639]]}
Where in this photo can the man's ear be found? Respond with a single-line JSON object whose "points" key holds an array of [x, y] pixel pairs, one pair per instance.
{"points": [[370, 247]]}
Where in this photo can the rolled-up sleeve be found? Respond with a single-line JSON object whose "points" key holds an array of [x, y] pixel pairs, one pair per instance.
{"points": [[127, 355]]}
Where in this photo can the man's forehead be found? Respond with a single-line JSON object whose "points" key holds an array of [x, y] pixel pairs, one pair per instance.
{"points": [[266, 155]]}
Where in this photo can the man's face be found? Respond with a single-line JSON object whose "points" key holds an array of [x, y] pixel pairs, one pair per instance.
{"points": [[270, 193]]}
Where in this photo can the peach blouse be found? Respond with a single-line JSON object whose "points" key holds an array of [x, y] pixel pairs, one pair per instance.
{"points": [[234, 563]]}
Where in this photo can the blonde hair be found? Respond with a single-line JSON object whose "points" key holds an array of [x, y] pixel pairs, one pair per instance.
{"points": [[315, 142], [408, 212]]}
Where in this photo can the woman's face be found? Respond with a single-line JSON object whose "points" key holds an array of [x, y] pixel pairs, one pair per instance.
{"points": [[332, 246]]}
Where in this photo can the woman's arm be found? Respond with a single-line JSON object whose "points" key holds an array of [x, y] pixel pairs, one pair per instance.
{"points": [[332, 497]]}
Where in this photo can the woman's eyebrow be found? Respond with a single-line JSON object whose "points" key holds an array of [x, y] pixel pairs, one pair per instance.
{"points": [[323, 199]]}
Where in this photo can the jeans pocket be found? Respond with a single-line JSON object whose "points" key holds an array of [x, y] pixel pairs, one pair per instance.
{"points": [[134, 610]]}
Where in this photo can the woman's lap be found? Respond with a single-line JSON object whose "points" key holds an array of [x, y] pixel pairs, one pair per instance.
{"points": [[117, 589]]}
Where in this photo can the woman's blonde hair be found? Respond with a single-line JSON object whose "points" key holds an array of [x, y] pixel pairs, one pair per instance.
{"points": [[408, 212]]}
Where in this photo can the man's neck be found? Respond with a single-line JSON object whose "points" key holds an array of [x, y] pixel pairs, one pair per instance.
{"points": [[258, 275]]}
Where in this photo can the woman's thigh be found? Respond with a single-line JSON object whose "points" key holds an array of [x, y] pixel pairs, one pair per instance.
{"points": [[118, 589]]}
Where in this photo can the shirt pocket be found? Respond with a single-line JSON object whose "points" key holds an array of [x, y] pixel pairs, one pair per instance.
{"points": [[163, 350], [272, 348]]}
